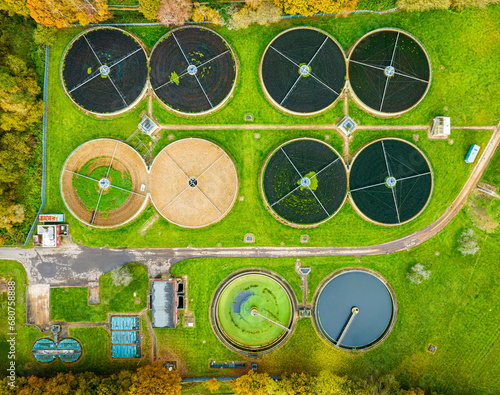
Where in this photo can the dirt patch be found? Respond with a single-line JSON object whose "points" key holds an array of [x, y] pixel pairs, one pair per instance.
{"points": [[3, 285], [38, 305], [484, 211], [148, 224]]}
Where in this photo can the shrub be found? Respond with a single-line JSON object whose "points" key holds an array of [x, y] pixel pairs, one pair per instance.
{"points": [[121, 276], [418, 274], [468, 243]]}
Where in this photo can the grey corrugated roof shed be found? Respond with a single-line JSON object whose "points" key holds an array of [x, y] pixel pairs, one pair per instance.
{"points": [[163, 303]]}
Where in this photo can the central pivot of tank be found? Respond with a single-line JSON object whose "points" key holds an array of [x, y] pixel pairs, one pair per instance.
{"points": [[104, 69], [253, 311], [305, 182], [192, 182], [192, 69], [390, 182], [304, 70], [104, 183], [389, 71]]}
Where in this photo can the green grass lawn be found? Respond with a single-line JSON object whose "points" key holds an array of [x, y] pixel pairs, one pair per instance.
{"points": [[26, 336], [456, 309], [458, 84], [492, 173], [71, 304]]}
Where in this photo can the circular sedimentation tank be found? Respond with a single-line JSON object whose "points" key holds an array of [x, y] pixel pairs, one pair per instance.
{"points": [[69, 350], [390, 181], [354, 309], [194, 183], [304, 182], [302, 71], [44, 350], [389, 72], [193, 70], [253, 312], [105, 70], [104, 183]]}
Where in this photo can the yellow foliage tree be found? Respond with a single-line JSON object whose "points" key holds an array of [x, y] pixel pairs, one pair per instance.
{"points": [[206, 14], [252, 384], [155, 380], [310, 7], [264, 14], [61, 13], [15, 7], [212, 385]]}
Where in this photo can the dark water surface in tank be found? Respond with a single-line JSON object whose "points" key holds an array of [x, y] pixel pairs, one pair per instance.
{"points": [[340, 295]]}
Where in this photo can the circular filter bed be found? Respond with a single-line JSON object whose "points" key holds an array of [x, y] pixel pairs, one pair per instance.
{"points": [[252, 312], [389, 71], [193, 70], [103, 183], [304, 182], [105, 70], [303, 71], [390, 181], [355, 310], [194, 183]]}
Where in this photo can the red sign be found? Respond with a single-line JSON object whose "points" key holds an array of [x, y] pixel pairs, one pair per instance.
{"points": [[51, 218]]}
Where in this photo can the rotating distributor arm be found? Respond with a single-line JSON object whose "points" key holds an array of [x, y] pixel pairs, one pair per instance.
{"points": [[255, 313], [350, 319]]}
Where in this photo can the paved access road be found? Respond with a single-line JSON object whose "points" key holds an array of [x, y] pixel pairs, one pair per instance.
{"points": [[78, 265]]}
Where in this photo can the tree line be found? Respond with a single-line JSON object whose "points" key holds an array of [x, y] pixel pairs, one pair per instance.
{"points": [[62, 13], [157, 380], [21, 110]]}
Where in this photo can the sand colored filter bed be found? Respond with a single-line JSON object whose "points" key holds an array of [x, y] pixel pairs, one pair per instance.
{"points": [[105, 70], [104, 183], [193, 70], [194, 183], [253, 311], [390, 181], [302, 71], [354, 309], [304, 182], [389, 72]]}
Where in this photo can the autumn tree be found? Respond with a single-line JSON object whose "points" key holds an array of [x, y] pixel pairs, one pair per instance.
{"points": [[155, 380], [327, 383], [44, 35], [61, 13], [174, 12], [203, 13], [212, 385], [254, 4], [265, 13], [149, 8], [15, 7], [310, 7], [21, 110], [252, 384]]}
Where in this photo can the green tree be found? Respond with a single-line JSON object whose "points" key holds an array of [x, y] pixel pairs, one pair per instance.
{"points": [[44, 35]]}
